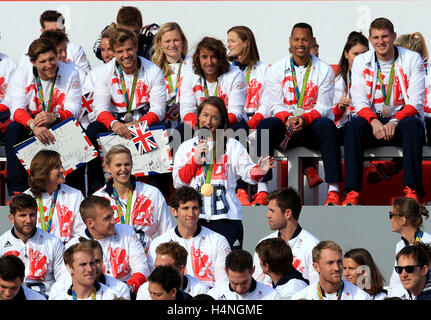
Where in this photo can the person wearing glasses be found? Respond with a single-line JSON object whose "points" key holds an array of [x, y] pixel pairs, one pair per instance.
{"points": [[406, 218], [413, 270]]}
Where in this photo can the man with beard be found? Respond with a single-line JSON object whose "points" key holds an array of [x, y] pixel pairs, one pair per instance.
{"points": [[41, 252], [328, 262]]}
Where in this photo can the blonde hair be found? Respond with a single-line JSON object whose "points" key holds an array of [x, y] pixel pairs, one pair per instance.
{"points": [[413, 41], [117, 149], [328, 244], [109, 29], [158, 57]]}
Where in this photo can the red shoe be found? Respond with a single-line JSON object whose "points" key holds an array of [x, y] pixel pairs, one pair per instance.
{"points": [[409, 193], [333, 199], [312, 177], [386, 169], [260, 199], [352, 199], [243, 197], [372, 174]]}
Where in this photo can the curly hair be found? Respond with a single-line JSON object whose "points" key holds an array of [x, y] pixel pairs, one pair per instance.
{"points": [[219, 50]]}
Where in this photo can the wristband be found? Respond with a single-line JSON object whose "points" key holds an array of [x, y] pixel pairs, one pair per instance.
{"points": [[394, 120], [112, 123]]}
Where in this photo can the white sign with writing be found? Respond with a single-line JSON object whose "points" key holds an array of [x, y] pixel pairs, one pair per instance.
{"points": [[155, 161], [71, 143]]}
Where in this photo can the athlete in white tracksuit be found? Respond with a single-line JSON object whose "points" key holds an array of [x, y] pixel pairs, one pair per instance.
{"points": [[42, 255], [150, 213], [207, 252], [66, 221]]}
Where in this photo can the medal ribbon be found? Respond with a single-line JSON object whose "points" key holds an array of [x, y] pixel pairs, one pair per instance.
{"points": [[247, 76], [419, 236], [299, 97], [123, 220], [206, 89], [39, 91], [124, 89], [208, 169], [339, 291], [386, 94], [171, 88], [93, 294], [44, 225]]}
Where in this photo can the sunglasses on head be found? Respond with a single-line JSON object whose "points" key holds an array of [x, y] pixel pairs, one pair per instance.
{"points": [[409, 269], [393, 215]]}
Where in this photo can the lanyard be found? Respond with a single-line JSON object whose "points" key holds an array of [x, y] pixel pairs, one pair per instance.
{"points": [[339, 291], [206, 89], [419, 236], [247, 76], [299, 97], [45, 227], [171, 88], [124, 89], [208, 169], [39, 91], [349, 83], [93, 294], [128, 207], [386, 94]]}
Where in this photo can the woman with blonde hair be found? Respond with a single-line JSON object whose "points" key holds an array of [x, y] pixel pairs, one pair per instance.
{"points": [[134, 203], [406, 217], [169, 53], [58, 203]]}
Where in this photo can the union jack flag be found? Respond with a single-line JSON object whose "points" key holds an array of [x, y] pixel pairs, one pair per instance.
{"points": [[287, 136], [172, 112], [142, 138], [86, 103]]}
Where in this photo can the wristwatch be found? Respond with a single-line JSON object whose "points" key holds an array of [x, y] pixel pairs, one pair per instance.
{"points": [[57, 115]]}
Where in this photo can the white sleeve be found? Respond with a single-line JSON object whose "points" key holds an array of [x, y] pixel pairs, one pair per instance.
{"points": [[358, 89], [78, 226], [102, 95], [293, 286], [237, 95], [138, 258], [72, 102], [158, 95], [80, 58], [243, 164], [272, 93], [188, 103], [152, 255], [325, 95], [223, 250], [58, 250], [16, 92], [180, 160], [416, 84], [165, 220]]}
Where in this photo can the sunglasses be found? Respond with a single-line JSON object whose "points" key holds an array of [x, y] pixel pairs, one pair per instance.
{"points": [[393, 215], [409, 269]]}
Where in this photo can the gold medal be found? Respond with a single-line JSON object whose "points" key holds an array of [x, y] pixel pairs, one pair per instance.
{"points": [[207, 190]]}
